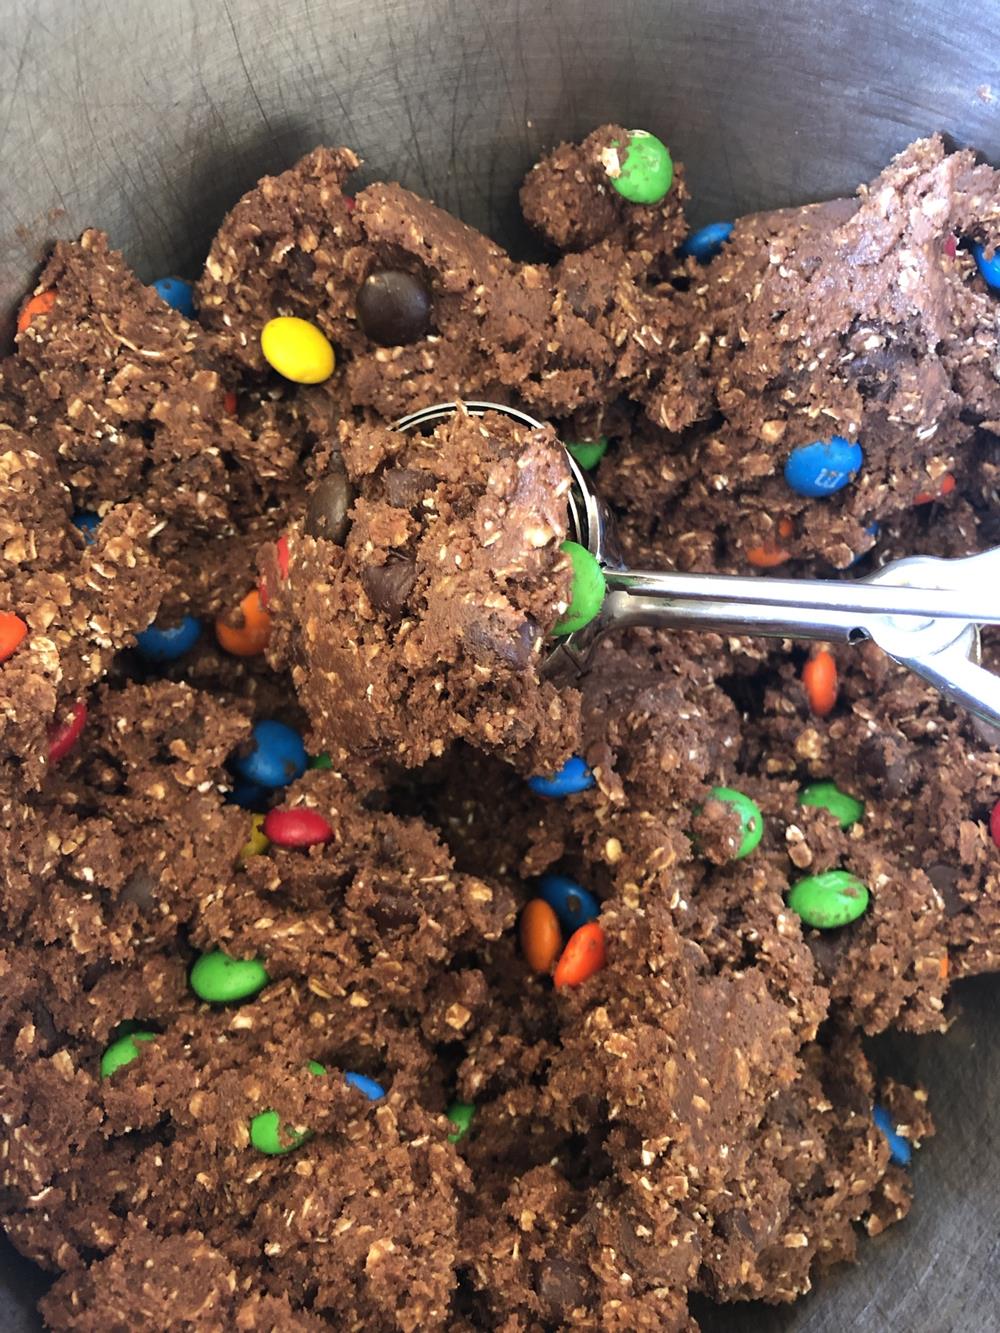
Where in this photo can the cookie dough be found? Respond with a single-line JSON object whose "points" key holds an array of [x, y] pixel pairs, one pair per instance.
{"points": [[696, 1117]]}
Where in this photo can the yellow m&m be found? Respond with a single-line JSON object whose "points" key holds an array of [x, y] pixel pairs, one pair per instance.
{"points": [[297, 350]]}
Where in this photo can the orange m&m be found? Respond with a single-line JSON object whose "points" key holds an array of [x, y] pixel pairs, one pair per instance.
{"points": [[819, 677], [12, 631], [541, 938], [247, 633], [40, 304], [585, 954]]}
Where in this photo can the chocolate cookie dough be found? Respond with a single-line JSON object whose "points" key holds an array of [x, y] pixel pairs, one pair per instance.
{"points": [[274, 1142]]}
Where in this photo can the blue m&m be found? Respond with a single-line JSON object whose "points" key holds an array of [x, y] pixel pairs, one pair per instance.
{"points": [[277, 758], [900, 1150], [88, 522], [372, 1090], [823, 467], [178, 294], [247, 795], [705, 243], [167, 643], [574, 776], [989, 268], [572, 903]]}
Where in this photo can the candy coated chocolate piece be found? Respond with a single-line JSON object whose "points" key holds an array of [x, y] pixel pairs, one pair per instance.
{"points": [[88, 522], [64, 734], [585, 954], [461, 1116], [394, 308], [834, 898], [828, 796], [900, 1149], [167, 643], [178, 294], [298, 827], [297, 350], [268, 1135], [573, 777], [220, 979], [588, 453], [372, 1090], [12, 633], [751, 819], [823, 467], [123, 1051], [277, 758], [541, 938], [705, 243], [643, 171], [588, 590], [572, 903], [988, 268]]}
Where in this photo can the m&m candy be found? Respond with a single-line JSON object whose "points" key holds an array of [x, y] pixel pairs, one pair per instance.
{"points": [[88, 522], [39, 304], [12, 633], [165, 643], [705, 243], [123, 1051], [461, 1115], [64, 733], [585, 954], [819, 680], [823, 467], [643, 171], [588, 453], [587, 596], [573, 777], [297, 350], [257, 843], [298, 827], [831, 899], [900, 1149], [988, 268], [277, 757], [267, 1133], [178, 294], [219, 979], [372, 1090], [751, 819], [541, 938], [572, 903], [828, 796], [247, 632]]}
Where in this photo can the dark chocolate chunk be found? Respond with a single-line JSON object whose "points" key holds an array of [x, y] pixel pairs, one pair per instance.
{"points": [[561, 1286], [329, 506], [488, 642], [394, 308], [406, 486], [389, 585]]}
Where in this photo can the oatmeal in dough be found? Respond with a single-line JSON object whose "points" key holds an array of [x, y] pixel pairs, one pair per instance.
{"points": [[696, 1115]]}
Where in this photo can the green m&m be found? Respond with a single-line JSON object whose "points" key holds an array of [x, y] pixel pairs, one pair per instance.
{"points": [[460, 1114], [834, 898], [321, 760], [751, 820], [268, 1135], [588, 453], [220, 979], [643, 172], [588, 592], [123, 1051], [828, 796]]}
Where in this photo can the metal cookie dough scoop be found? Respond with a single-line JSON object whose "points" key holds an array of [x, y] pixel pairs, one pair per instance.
{"points": [[925, 612]]}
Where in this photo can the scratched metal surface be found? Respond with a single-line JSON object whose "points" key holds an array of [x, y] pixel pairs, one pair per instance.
{"points": [[149, 118]]}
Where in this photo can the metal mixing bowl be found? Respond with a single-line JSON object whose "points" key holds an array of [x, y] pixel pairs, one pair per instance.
{"points": [[149, 119]]}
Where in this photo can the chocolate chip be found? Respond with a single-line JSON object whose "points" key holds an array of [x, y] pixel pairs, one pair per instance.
{"points": [[140, 888], [405, 487], [561, 1286], [394, 308], [489, 642], [945, 879], [389, 585], [883, 766], [329, 504]]}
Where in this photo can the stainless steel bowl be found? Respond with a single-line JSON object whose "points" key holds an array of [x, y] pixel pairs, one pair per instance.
{"points": [[149, 119]]}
